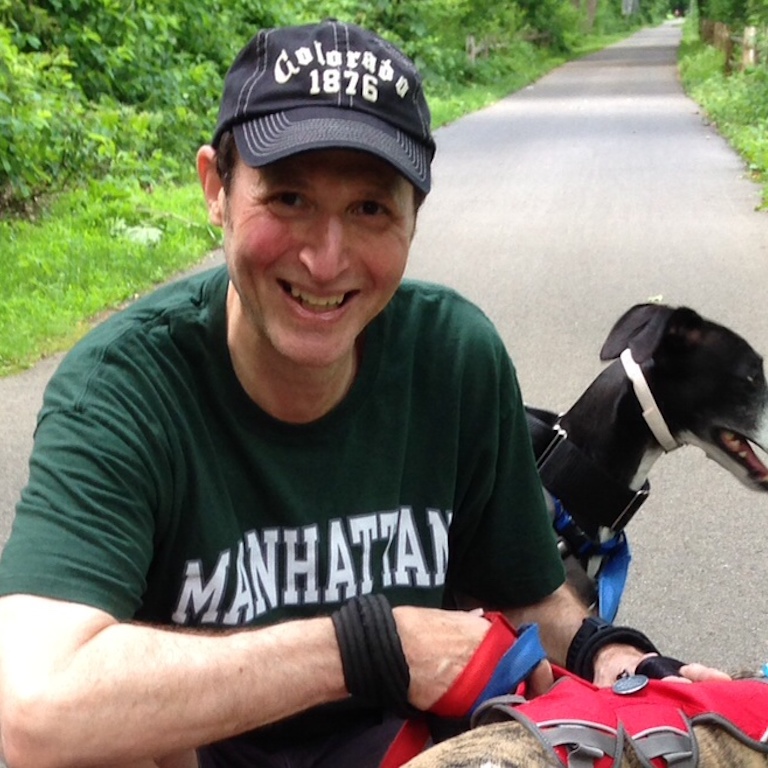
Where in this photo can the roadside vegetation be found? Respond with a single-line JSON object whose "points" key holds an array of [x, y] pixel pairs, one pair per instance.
{"points": [[734, 98], [103, 104]]}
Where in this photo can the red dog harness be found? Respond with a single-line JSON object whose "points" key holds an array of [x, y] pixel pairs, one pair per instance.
{"points": [[587, 727], [503, 661], [584, 726]]}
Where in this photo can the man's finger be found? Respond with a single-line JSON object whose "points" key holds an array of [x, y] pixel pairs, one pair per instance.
{"points": [[696, 672], [540, 680]]}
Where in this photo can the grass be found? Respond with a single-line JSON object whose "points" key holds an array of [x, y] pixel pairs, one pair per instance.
{"points": [[91, 250], [737, 103]]}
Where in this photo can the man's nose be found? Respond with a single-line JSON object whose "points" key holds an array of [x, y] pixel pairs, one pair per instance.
{"points": [[324, 252]]}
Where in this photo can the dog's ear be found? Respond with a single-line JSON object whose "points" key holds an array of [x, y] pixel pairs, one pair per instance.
{"points": [[640, 328], [684, 329], [643, 327]]}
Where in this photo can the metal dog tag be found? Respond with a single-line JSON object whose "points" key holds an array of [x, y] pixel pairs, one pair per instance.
{"points": [[631, 684]]}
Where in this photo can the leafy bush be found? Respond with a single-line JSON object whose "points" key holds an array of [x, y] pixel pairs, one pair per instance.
{"points": [[736, 103], [42, 114], [733, 12], [556, 23], [133, 52], [94, 88], [51, 138], [112, 88]]}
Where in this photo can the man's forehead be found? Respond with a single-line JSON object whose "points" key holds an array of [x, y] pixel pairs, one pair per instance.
{"points": [[340, 163]]}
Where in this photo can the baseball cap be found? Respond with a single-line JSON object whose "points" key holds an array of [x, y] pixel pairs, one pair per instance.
{"points": [[324, 86]]}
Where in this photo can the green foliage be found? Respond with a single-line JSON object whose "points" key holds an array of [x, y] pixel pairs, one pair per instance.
{"points": [[136, 51], [103, 102], [100, 245], [732, 12], [736, 103], [98, 88], [130, 88], [735, 13], [42, 117], [757, 12], [558, 23], [432, 32], [655, 11]]}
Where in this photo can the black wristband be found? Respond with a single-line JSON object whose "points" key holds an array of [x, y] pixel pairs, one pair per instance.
{"points": [[659, 667], [375, 667], [594, 634]]}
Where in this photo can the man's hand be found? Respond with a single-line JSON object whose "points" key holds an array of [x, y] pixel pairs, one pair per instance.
{"points": [[613, 661], [540, 681], [438, 645]]}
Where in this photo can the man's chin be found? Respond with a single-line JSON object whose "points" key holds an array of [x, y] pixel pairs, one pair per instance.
{"points": [[318, 354]]}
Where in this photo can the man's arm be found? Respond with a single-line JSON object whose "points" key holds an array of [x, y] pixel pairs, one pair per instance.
{"points": [[78, 688], [560, 616]]}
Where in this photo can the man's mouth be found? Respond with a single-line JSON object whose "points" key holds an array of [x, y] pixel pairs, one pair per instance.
{"points": [[314, 302]]}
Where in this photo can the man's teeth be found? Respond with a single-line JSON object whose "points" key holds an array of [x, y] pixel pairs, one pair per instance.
{"points": [[321, 302]]}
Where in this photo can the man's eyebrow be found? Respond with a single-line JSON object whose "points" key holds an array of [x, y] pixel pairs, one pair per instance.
{"points": [[282, 174], [291, 174]]}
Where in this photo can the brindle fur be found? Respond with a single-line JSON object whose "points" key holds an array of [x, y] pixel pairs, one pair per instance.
{"points": [[512, 745]]}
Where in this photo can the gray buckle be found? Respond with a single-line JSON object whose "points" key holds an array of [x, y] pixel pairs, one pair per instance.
{"points": [[635, 503], [587, 742], [560, 435], [677, 747]]}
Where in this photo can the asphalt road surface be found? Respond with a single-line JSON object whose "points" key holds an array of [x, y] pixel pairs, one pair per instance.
{"points": [[556, 210]]}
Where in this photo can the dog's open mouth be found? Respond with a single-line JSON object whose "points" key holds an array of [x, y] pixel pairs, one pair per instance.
{"points": [[742, 451]]}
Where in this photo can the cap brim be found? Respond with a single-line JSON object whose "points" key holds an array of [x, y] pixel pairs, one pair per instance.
{"points": [[272, 137]]}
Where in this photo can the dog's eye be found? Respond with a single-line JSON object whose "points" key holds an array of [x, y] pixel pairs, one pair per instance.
{"points": [[746, 380], [754, 379]]}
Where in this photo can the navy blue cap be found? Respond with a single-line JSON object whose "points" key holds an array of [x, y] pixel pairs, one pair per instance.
{"points": [[327, 86]]}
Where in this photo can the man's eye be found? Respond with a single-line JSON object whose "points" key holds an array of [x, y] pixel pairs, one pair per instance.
{"points": [[371, 208], [289, 199]]}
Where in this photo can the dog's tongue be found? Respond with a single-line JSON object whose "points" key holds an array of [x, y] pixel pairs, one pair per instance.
{"points": [[741, 449]]}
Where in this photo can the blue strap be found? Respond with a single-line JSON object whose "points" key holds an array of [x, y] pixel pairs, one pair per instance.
{"points": [[562, 517], [515, 665], [612, 578]]}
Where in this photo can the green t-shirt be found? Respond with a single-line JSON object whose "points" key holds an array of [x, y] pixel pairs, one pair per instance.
{"points": [[159, 491]]}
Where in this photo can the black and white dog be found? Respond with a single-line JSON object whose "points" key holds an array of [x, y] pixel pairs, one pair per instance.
{"points": [[677, 379]]}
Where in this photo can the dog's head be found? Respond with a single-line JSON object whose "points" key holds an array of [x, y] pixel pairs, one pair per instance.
{"points": [[708, 382]]}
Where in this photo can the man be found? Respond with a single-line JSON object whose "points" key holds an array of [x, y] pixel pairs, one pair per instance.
{"points": [[220, 468]]}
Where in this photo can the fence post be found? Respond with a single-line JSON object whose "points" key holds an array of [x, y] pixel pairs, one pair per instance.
{"points": [[724, 43], [707, 31], [749, 48], [471, 48]]}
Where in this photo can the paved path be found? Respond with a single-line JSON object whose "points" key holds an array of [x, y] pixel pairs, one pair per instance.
{"points": [[560, 207], [557, 209], [20, 400]]}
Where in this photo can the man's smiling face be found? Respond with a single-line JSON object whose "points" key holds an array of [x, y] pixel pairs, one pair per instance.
{"points": [[316, 245]]}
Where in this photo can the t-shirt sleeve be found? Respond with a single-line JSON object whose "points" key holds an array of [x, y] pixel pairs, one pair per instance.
{"points": [[503, 547], [85, 516]]}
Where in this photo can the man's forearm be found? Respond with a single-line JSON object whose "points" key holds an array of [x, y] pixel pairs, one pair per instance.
{"points": [[131, 691], [559, 617]]}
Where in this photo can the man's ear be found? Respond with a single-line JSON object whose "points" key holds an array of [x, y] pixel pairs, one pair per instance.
{"points": [[211, 183]]}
